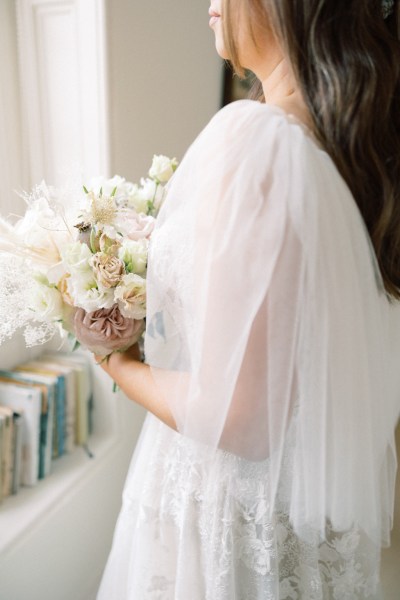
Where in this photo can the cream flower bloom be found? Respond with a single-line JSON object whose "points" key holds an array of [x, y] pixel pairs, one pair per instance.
{"points": [[107, 269], [146, 197], [162, 168], [92, 299], [76, 256], [134, 255], [139, 199], [131, 296], [47, 303], [135, 225], [62, 287], [108, 185]]}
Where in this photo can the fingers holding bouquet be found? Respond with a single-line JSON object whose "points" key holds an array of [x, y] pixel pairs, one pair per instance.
{"points": [[133, 354]]}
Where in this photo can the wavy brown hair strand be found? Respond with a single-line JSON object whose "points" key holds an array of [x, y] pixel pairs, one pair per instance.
{"points": [[346, 59]]}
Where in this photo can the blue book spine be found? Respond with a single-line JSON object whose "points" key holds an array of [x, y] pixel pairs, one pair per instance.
{"points": [[90, 407], [56, 419]]}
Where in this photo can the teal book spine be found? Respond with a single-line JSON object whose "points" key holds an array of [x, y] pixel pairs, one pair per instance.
{"points": [[60, 409], [42, 443]]}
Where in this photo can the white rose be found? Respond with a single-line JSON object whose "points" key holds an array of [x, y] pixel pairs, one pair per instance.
{"points": [[135, 225], [139, 198], [144, 198], [76, 256], [92, 299], [79, 286], [162, 168], [131, 296], [109, 231], [107, 185], [44, 212], [43, 228], [134, 255], [47, 303], [148, 188]]}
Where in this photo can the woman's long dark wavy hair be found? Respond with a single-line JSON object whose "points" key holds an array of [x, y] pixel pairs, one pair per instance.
{"points": [[346, 59]]}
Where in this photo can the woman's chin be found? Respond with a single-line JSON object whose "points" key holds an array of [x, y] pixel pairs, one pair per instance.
{"points": [[220, 48]]}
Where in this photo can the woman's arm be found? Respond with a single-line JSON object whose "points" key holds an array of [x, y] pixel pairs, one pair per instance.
{"points": [[134, 378]]}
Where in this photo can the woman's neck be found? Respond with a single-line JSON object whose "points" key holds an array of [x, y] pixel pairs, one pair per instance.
{"points": [[281, 89]]}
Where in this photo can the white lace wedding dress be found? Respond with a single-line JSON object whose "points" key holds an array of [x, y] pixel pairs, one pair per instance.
{"points": [[234, 512]]}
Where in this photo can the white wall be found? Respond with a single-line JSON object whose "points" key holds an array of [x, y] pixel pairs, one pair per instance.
{"points": [[12, 164], [163, 85]]}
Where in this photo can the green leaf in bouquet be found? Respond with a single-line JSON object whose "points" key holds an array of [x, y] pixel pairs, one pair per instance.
{"points": [[74, 341], [41, 278], [108, 245], [92, 240], [150, 207], [155, 191], [114, 192], [85, 189]]}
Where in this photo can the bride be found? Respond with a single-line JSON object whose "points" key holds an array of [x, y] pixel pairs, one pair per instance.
{"points": [[265, 468]]}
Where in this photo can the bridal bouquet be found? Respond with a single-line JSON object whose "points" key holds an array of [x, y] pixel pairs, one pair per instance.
{"points": [[76, 263]]}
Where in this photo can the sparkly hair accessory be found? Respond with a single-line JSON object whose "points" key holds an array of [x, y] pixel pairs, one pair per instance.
{"points": [[387, 8]]}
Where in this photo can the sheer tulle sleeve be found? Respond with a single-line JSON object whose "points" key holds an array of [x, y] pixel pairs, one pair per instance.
{"points": [[269, 333]]}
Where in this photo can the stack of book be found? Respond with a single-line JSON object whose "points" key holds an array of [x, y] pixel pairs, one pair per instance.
{"points": [[45, 412]]}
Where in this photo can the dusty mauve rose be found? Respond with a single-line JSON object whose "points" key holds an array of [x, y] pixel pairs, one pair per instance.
{"points": [[108, 269], [106, 330]]}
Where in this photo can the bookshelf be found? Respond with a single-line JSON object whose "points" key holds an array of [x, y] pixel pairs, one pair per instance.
{"points": [[27, 509], [21, 512], [61, 529]]}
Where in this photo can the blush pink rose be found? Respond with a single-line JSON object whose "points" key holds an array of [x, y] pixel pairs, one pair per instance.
{"points": [[137, 226], [106, 330]]}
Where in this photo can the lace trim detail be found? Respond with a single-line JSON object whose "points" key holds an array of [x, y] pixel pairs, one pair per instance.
{"points": [[240, 552]]}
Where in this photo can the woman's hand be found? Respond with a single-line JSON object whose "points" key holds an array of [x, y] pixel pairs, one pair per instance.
{"points": [[134, 378], [112, 361]]}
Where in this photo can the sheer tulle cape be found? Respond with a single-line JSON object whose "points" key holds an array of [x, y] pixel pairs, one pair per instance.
{"points": [[269, 332]]}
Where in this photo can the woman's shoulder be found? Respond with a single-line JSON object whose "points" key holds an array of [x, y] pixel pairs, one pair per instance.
{"points": [[249, 110], [247, 114], [252, 127], [253, 114], [256, 146]]}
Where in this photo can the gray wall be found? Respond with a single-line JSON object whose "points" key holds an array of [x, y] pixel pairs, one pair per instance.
{"points": [[165, 79]]}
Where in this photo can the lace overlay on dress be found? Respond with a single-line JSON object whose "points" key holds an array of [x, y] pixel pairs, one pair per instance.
{"points": [[224, 539]]}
